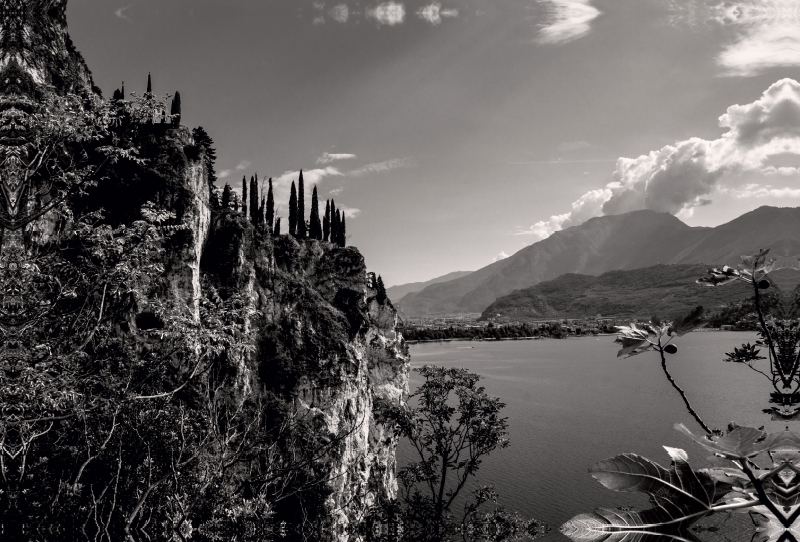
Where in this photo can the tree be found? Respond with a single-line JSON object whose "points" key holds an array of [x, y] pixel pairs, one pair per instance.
{"points": [[315, 229], [244, 195], [270, 210], [342, 232], [149, 84], [326, 221], [293, 210], [175, 109], [254, 199], [301, 208], [261, 212], [381, 290], [454, 427], [334, 223], [226, 196], [277, 226], [204, 141]]}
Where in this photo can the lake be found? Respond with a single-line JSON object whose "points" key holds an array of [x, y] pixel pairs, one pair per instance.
{"points": [[572, 402]]}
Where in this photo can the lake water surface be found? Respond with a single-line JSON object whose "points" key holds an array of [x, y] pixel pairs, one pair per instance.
{"points": [[572, 402]]}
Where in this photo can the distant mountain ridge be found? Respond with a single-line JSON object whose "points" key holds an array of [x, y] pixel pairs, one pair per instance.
{"points": [[397, 292], [663, 290], [620, 242]]}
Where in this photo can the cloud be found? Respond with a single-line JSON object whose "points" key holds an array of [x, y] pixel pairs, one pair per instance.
{"points": [[785, 171], [567, 20], [121, 13], [319, 19], [755, 190], [327, 158], [336, 191], [349, 212], [223, 174], [340, 13], [501, 256], [434, 13], [380, 167], [677, 177], [244, 164], [574, 146], [388, 13]]}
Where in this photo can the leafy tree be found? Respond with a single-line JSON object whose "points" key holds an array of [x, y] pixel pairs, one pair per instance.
{"points": [[203, 140], [455, 425], [270, 210], [293, 211], [244, 195], [315, 228], [301, 208], [381, 289], [226, 196], [326, 221], [175, 109]]}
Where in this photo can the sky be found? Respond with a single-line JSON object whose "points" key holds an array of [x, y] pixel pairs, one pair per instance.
{"points": [[457, 132]]}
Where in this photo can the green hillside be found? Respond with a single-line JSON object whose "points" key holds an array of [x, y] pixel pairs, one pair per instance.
{"points": [[663, 290]]}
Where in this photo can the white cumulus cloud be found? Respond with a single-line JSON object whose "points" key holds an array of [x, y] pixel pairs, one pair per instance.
{"points": [[501, 256], [388, 13], [340, 13], [567, 20], [678, 177]]}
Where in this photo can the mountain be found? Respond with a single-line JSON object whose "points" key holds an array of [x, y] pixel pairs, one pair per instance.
{"points": [[401, 290], [620, 242], [663, 290]]}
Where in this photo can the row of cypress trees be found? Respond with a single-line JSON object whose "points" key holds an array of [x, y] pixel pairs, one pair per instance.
{"points": [[261, 212]]}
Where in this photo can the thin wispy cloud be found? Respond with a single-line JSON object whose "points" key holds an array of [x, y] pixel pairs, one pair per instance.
{"points": [[755, 190], [568, 146], [340, 13], [244, 164], [767, 32], [121, 13], [566, 20], [349, 212], [434, 13], [380, 167], [501, 256], [224, 174], [336, 191], [327, 158], [388, 13], [679, 177]]}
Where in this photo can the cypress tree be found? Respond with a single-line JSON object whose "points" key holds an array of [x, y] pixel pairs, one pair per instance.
{"points": [[277, 230], [261, 212], [301, 208], [254, 199], [326, 221], [315, 230], [149, 84], [123, 90], [244, 195], [270, 210], [342, 232], [117, 95], [202, 139], [338, 221], [334, 222], [381, 294], [293, 211], [226, 196], [175, 109]]}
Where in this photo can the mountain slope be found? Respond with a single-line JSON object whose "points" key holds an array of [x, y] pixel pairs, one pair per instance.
{"points": [[401, 290], [663, 290], [627, 241]]}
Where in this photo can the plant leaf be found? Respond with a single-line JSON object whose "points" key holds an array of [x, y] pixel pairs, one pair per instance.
{"points": [[606, 525], [690, 322], [740, 443]]}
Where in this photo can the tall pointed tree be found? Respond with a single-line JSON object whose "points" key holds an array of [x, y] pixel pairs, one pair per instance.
{"points": [[226, 196], [293, 211], [149, 84], [315, 229], [244, 195], [175, 109], [301, 208], [254, 199], [342, 232], [334, 222], [270, 210], [277, 229], [261, 212], [381, 290], [326, 221]]}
